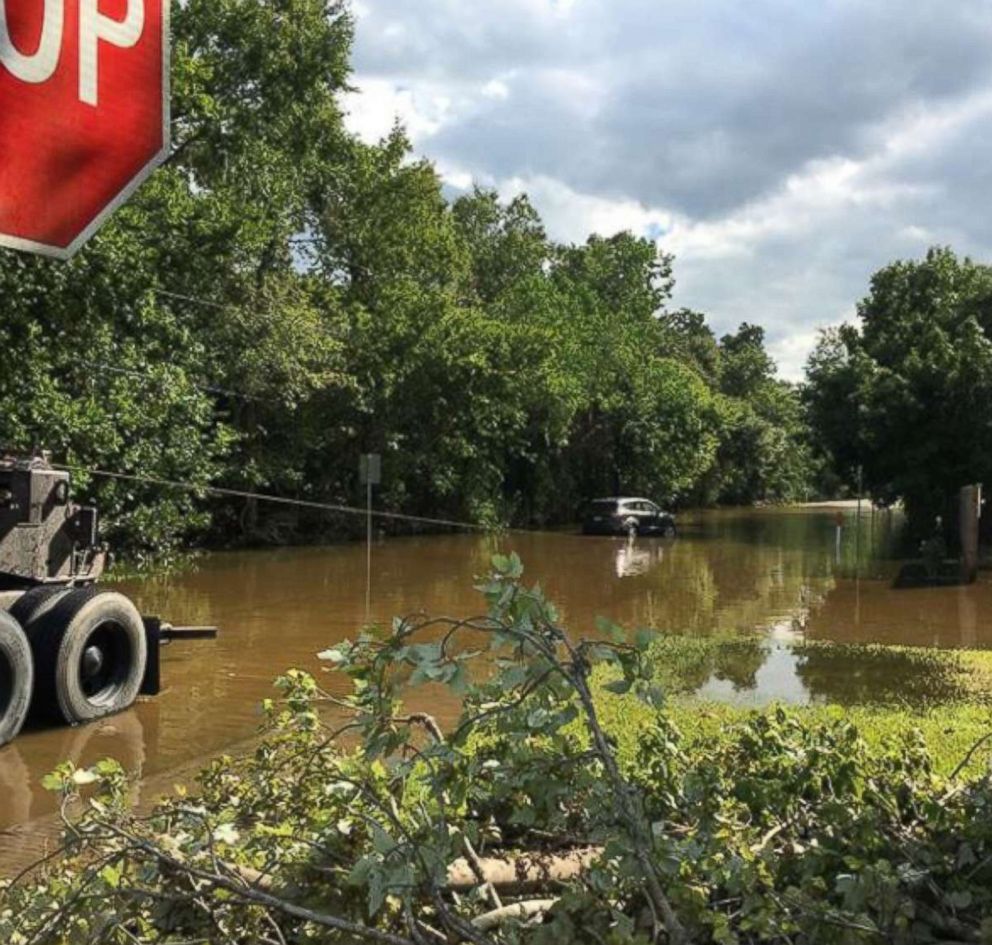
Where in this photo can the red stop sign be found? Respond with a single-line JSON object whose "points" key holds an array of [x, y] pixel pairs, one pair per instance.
{"points": [[84, 114]]}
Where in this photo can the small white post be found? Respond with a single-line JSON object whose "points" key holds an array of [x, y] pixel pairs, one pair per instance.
{"points": [[368, 563]]}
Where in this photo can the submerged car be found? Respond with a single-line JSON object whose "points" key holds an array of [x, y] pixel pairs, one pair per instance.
{"points": [[628, 516]]}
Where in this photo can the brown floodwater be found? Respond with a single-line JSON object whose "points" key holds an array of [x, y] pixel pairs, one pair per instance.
{"points": [[778, 574]]}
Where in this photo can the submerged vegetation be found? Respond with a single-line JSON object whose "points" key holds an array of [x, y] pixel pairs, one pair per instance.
{"points": [[557, 808]]}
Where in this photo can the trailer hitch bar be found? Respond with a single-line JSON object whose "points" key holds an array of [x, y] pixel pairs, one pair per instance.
{"points": [[168, 633], [158, 633]]}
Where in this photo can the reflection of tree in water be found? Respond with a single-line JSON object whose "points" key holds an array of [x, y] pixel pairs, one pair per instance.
{"points": [[851, 675], [738, 663], [721, 587], [686, 664]]}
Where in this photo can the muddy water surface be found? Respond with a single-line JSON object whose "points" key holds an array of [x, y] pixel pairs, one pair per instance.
{"points": [[777, 573]]}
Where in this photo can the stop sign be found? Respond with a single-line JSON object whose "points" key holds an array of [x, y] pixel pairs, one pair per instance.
{"points": [[84, 114]]}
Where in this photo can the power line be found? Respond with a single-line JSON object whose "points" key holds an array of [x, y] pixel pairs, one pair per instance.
{"points": [[144, 375], [195, 300], [299, 503], [264, 497]]}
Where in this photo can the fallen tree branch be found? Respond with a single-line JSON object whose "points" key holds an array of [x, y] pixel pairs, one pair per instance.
{"points": [[256, 894], [521, 911], [519, 872]]}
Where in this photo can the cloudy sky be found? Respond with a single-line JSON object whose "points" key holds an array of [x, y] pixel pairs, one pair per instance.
{"points": [[782, 151]]}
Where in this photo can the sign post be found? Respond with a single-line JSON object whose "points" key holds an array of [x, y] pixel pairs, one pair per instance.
{"points": [[370, 473], [84, 115]]}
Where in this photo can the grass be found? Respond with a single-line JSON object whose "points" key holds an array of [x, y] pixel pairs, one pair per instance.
{"points": [[887, 692]]}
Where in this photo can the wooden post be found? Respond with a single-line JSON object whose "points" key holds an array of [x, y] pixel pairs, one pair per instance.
{"points": [[969, 513]]}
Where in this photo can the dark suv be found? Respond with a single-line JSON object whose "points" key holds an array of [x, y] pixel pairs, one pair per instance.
{"points": [[624, 516]]}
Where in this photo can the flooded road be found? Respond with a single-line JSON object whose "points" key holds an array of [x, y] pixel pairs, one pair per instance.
{"points": [[777, 571]]}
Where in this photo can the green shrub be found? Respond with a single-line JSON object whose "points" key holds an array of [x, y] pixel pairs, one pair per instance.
{"points": [[785, 828]]}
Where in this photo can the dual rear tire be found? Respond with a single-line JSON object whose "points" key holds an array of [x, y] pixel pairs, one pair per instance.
{"points": [[16, 677], [88, 650]]}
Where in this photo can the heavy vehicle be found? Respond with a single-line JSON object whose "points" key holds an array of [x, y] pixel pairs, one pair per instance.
{"points": [[70, 650], [628, 516]]}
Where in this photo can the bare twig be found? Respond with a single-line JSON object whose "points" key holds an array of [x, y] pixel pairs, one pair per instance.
{"points": [[971, 753], [480, 874]]}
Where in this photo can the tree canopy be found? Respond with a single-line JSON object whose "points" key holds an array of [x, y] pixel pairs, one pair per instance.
{"points": [[903, 395], [281, 297]]}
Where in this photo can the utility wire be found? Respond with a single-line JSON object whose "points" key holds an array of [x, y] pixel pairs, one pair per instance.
{"points": [[263, 497], [195, 300], [301, 503], [144, 375]]}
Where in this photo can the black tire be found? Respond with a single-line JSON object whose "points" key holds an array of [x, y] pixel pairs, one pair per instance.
{"points": [[37, 601], [16, 678], [630, 527], [669, 531], [90, 653]]}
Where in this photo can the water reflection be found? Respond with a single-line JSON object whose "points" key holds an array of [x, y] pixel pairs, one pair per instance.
{"points": [[15, 785], [633, 559], [35, 753], [770, 574], [770, 675]]}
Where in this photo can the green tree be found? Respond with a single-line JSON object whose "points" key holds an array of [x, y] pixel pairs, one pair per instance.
{"points": [[763, 452], [115, 360], [903, 394], [281, 297]]}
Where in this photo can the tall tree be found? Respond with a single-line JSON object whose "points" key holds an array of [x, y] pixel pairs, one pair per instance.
{"points": [[905, 394]]}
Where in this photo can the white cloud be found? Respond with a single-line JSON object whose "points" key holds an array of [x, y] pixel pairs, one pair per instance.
{"points": [[495, 88], [572, 217], [783, 151], [372, 111], [792, 351]]}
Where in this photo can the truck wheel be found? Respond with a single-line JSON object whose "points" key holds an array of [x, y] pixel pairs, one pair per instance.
{"points": [[90, 653], [16, 678], [35, 602]]}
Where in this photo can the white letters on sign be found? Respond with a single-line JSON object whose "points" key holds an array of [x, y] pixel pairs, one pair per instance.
{"points": [[40, 66], [94, 27]]}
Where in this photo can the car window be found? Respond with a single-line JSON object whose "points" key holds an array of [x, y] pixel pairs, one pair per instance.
{"points": [[652, 508]]}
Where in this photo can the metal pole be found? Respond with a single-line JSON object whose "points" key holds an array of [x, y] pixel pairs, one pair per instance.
{"points": [[368, 557], [857, 554]]}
